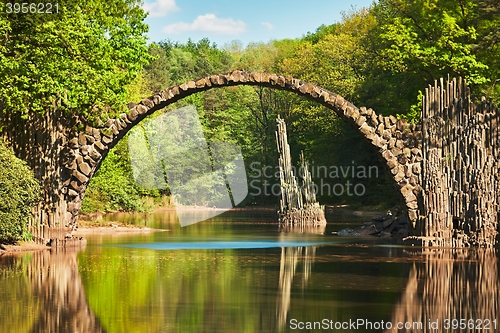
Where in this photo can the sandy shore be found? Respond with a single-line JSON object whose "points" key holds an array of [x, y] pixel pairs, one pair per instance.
{"points": [[113, 229], [87, 228], [22, 247]]}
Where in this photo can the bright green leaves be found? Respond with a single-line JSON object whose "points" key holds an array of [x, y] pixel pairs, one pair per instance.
{"points": [[430, 38], [79, 59], [19, 191]]}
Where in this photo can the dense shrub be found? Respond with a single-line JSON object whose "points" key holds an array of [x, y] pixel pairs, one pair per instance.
{"points": [[19, 191]]}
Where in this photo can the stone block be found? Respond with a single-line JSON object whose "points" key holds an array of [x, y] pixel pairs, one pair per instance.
{"points": [[80, 176], [387, 135], [402, 159], [133, 114], [78, 159], [377, 141], [380, 129], [96, 134], [410, 197], [99, 145], [392, 163], [401, 125], [95, 154], [339, 102], [396, 151], [85, 150], [413, 180], [406, 189], [360, 121], [400, 175], [72, 193], [412, 205], [273, 79], [416, 168], [82, 139], [408, 172], [76, 186], [90, 139], [141, 109], [387, 155], [200, 83], [90, 161], [412, 214], [256, 77], [396, 169], [84, 168], [148, 103], [352, 112], [306, 88], [107, 139], [391, 143], [73, 143]]}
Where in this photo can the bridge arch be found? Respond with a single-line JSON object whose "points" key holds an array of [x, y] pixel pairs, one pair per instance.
{"points": [[396, 142]]}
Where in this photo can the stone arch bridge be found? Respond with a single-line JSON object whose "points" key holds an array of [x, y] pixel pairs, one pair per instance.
{"points": [[445, 167]]}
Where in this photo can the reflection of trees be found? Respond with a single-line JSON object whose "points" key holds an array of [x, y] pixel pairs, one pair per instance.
{"points": [[450, 284], [58, 286], [53, 296], [43, 292], [288, 264]]}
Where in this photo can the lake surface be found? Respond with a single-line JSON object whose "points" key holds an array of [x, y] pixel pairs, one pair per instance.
{"points": [[237, 273]]}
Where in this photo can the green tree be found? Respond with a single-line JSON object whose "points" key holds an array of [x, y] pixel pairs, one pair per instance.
{"points": [[432, 46], [413, 43], [61, 72], [19, 191], [84, 54]]}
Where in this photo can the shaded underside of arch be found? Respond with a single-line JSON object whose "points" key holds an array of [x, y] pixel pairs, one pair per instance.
{"points": [[395, 141]]}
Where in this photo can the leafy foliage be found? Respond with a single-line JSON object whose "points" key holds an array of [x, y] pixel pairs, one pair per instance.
{"points": [[19, 191], [418, 44], [112, 187], [83, 56]]}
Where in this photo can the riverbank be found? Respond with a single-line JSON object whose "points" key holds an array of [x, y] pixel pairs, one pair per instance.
{"points": [[93, 224], [22, 247], [111, 228], [86, 228]]}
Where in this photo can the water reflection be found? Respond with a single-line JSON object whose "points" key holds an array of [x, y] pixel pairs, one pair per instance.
{"points": [[450, 290], [300, 229], [240, 288], [290, 256], [43, 292]]}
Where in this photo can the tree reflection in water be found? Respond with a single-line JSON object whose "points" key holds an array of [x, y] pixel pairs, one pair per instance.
{"points": [[53, 292], [450, 284]]}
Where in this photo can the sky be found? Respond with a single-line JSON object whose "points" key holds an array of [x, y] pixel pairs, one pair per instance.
{"points": [[223, 21]]}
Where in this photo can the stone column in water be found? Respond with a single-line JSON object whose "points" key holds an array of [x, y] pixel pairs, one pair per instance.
{"points": [[298, 207]]}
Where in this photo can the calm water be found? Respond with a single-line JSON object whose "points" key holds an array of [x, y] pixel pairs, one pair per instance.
{"points": [[237, 273]]}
